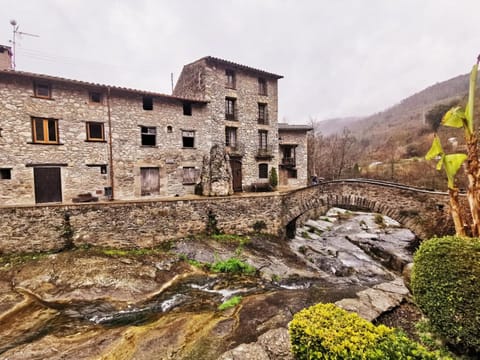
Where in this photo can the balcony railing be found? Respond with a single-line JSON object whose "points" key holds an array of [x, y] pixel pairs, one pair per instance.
{"points": [[288, 161], [232, 116], [236, 149], [265, 151], [263, 119]]}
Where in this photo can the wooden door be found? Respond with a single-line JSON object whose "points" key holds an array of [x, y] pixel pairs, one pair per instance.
{"points": [[236, 175], [48, 184], [150, 181]]}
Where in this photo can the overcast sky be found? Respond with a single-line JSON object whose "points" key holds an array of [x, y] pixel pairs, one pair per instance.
{"points": [[339, 57]]}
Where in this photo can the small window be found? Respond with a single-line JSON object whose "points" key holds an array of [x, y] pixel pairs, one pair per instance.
{"points": [[95, 97], [169, 129], [103, 169], [230, 110], [262, 114], [147, 103], [230, 79], [45, 131], [95, 131], [292, 173], [263, 171], [188, 139], [187, 109], [231, 136], [42, 90], [189, 176], [262, 86], [149, 136], [5, 174]]}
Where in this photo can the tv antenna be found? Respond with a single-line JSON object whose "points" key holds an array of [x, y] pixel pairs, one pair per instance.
{"points": [[13, 41]]}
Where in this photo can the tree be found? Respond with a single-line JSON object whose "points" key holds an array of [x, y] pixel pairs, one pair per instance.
{"points": [[458, 117]]}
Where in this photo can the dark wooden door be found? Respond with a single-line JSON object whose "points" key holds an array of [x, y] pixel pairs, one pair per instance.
{"points": [[236, 175], [48, 184]]}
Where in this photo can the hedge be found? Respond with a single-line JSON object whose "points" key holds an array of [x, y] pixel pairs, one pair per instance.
{"points": [[445, 286], [324, 331]]}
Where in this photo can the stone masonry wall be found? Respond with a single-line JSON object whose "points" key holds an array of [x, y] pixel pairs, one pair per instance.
{"points": [[131, 224]]}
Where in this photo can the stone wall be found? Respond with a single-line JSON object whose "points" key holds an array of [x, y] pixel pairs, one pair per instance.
{"points": [[131, 224], [150, 223], [299, 138]]}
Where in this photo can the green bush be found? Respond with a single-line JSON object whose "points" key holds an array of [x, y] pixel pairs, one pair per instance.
{"points": [[324, 331], [273, 178], [445, 285], [233, 265]]}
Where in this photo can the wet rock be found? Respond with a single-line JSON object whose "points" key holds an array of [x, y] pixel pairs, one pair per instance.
{"points": [[276, 343], [246, 352]]}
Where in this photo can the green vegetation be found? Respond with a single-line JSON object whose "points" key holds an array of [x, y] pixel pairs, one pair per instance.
{"points": [[232, 302], [273, 178], [16, 259], [306, 235], [130, 252], [444, 281], [233, 266], [325, 331], [231, 238]]}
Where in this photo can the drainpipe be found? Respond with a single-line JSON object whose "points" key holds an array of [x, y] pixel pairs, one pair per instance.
{"points": [[110, 149]]}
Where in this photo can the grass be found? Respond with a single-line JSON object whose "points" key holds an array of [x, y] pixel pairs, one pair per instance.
{"points": [[232, 302], [16, 259], [379, 220]]}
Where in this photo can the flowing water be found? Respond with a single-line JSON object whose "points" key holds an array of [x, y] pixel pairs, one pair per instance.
{"points": [[80, 305]]}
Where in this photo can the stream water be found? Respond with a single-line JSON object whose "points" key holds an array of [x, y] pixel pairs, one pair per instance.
{"points": [[88, 306]]}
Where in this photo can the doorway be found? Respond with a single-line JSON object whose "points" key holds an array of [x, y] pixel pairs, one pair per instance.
{"points": [[48, 184], [236, 166]]}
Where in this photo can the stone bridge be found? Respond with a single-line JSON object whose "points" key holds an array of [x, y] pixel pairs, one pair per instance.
{"points": [[424, 212], [149, 223]]}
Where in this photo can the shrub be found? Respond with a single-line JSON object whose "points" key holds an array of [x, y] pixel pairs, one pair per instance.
{"points": [[273, 178], [233, 265], [444, 282], [324, 331]]}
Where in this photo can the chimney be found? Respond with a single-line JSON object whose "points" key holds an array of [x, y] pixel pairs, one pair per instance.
{"points": [[6, 58]]}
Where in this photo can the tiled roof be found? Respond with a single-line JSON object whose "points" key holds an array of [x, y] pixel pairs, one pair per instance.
{"points": [[91, 84], [240, 66], [284, 126]]}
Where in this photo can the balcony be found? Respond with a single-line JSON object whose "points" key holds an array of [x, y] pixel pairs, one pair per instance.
{"points": [[263, 119], [235, 150], [264, 152], [288, 162], [232, 115]]}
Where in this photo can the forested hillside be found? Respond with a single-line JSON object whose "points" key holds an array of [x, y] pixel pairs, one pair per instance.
{"points": [[389, 144]]}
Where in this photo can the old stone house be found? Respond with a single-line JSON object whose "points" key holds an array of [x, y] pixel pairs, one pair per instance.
{"points": [[60, 138]]}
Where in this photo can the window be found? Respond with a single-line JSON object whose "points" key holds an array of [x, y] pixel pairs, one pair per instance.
{"points": [[147, 103], [42, 90], [149, 136], [95, 131], [5, 174], [188, 139], [262, 114], [292, 173], [169, 129], [150, 181], [263, 171], [262, 139], [95, 97], [262, 86], [189, 176], [187, 109], [45, 131], [230, 111], [231, 136], [230, 79]]}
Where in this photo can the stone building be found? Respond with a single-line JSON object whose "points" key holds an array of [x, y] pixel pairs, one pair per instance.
{"points": [[62, 139]]}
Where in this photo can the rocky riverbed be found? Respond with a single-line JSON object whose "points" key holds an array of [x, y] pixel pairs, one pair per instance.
{"points": [[163, 303]]}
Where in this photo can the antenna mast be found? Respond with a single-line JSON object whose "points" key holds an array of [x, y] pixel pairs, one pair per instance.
{"points": [[13, 41]]}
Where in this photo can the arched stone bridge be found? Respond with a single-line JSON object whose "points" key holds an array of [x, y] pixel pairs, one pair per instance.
{"points": [[149, 223], [424, 212]]}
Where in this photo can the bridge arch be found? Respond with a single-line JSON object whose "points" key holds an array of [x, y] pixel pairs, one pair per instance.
{"points": [[424, 212]]}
